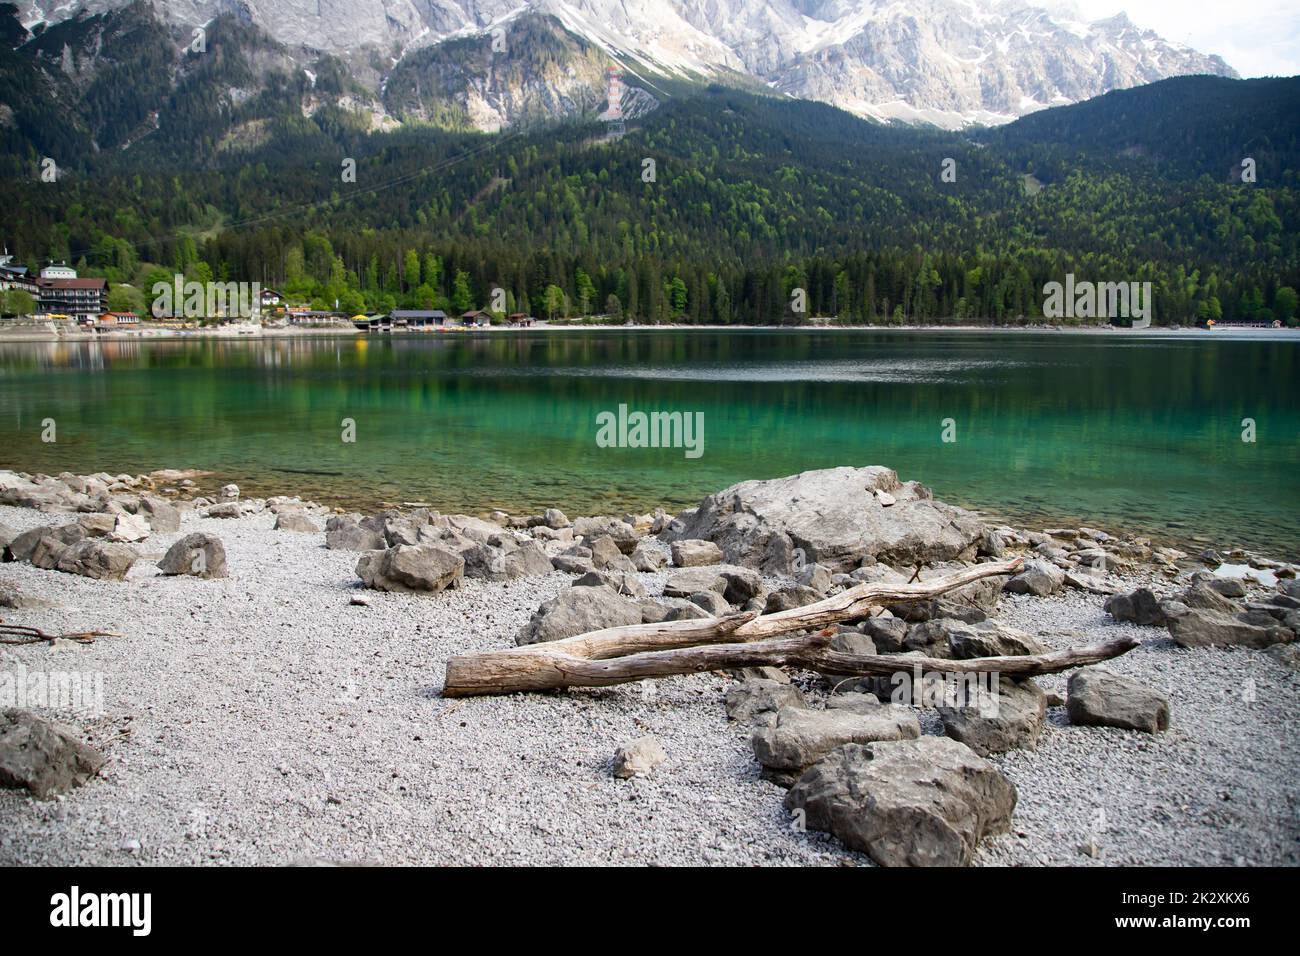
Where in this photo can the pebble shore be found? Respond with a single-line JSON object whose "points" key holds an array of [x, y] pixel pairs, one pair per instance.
{"points": [[263, 719]]}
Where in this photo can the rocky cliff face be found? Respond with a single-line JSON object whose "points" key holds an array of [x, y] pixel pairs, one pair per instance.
{"points": [[948, 62]]}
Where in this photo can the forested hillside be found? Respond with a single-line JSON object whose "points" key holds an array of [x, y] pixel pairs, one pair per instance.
{"points": [[713, 208]]}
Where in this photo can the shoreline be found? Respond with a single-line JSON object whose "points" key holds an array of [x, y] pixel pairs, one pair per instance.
{"points": [[13, 335], [325, 695]]}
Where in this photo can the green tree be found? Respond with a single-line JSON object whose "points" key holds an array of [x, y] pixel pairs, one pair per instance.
{"points": [[1284, 305], [462, 297], [126, 298], [586, 291], [17, 302], [553, 301]]}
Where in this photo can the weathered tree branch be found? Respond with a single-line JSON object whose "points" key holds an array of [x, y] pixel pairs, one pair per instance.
{"points": [[511, 671], [621, 654]]}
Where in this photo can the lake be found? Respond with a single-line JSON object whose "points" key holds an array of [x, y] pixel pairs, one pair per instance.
{"points": [[1139, 432]]}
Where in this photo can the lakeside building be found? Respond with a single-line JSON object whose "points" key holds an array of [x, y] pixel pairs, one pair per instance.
{"points": [[119, 319], [60, 291], [418, 318], [15, 276]]}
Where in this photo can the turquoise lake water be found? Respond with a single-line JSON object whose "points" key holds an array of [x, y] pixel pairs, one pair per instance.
{"points": [[1121, 431]]}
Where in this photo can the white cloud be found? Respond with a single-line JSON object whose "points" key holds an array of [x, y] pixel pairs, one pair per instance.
{"points": [[1256, 37]]}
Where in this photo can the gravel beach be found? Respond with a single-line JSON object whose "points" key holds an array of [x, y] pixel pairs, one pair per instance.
{"points": [[263, 719]]}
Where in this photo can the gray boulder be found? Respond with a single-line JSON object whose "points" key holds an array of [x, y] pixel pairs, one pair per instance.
{"points": [[349, 535], [298, 522], [200, 555], [1195, 627], [1140, 606], [835, 518], [43, 757], [990, 639], [1011, 720], [422, 568], [758, 700], [620, 582], [799, 738], [855, 701], [924, 802], [1100, 698], [1040, 578], [646, 558], [103, 561], [742, 584], [848, 642], [789, 598], [688, 581], [1200, 596], [886, 633], [24, 545], [713, 603], [693, 553], [164, 517], [606, 555], [576, 611]]}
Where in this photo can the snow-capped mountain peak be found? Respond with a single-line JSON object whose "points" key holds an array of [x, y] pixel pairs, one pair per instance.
{"points": [[948, 62]]}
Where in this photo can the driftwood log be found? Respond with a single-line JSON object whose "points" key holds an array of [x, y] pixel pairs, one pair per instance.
{"points": [[619, 655]]}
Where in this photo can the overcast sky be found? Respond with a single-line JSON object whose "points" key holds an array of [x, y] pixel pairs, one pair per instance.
{"points": [[1256, 37]]}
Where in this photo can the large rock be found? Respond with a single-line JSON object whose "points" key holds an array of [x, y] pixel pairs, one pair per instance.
{"points": [[620, 582], [1195, 627], [299, 522], [163, 516], [1011, 719], [24, 545], [990, 639], [848, 642], [1040, 578], [924, 802], [693, 553], [97, 559], [689, 581], [1139, 607], [129, 528], [577, 611], [421, 568], [351, 536], [834, 518], [507, 560], [757, 700], [799, 737], [43, 757], [789, 598], [606, 555], [1100, 698], [200, 555]]}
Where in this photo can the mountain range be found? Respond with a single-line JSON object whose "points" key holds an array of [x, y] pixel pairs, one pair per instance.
{"points": [[950, 63]]}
